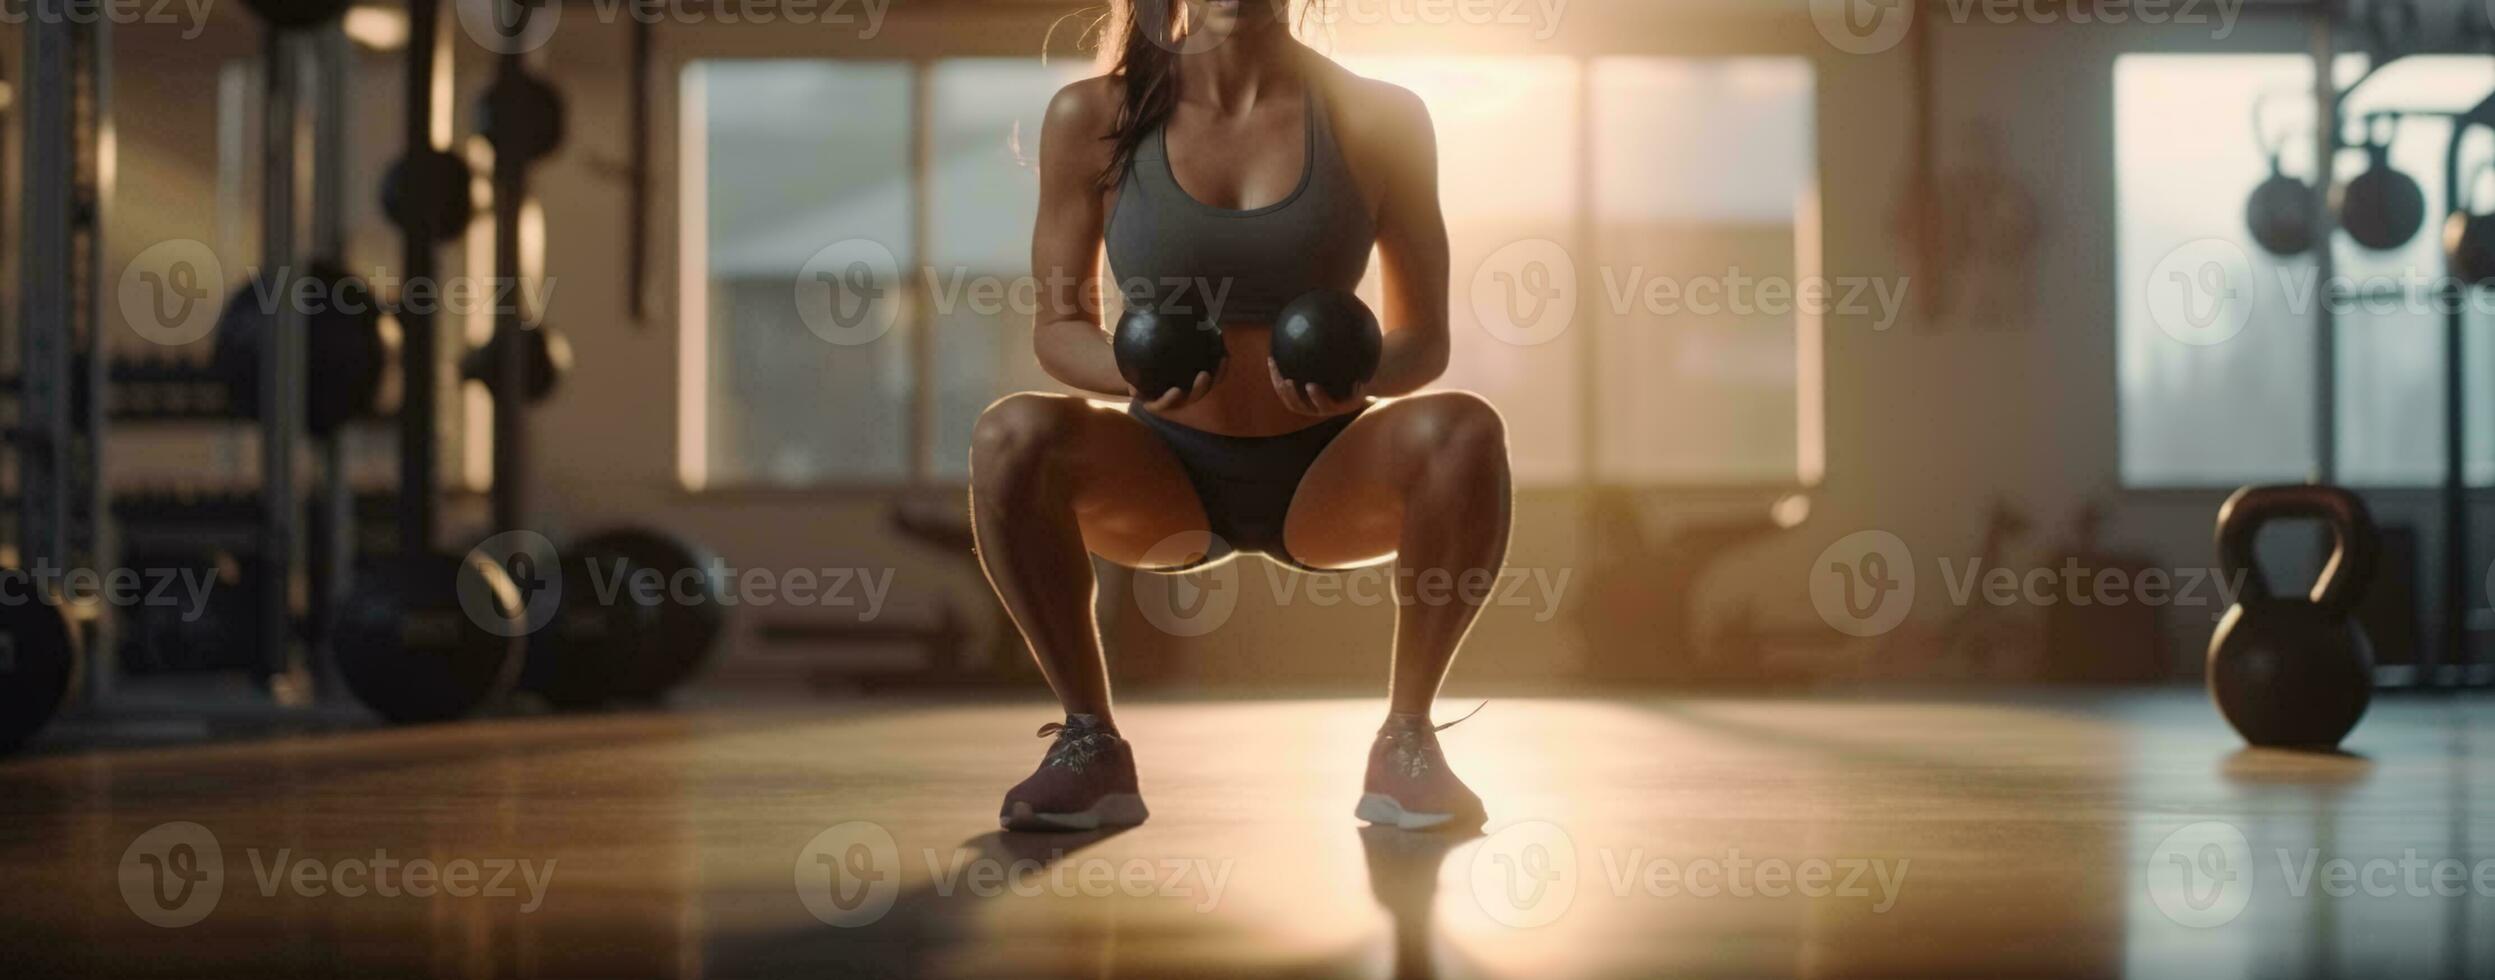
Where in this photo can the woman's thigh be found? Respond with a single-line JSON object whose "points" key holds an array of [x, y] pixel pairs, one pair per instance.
{"points": [[1130, 497], [1349, 509]]}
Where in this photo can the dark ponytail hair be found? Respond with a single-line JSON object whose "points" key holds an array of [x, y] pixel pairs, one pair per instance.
{"points": [[1146, 75]]}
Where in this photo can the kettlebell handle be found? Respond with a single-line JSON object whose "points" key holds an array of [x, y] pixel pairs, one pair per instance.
{"points": [[2354, 540], [2380, 150], [2467, 193]]}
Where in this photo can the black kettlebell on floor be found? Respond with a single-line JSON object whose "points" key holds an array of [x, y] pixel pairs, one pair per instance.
{"points": [[2291, 671], [1159, 351], [2470, 238], [1328, 338], [2382, 208]]}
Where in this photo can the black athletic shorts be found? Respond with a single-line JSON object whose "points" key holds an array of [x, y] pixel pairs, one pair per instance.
{"points": [[1245, 482]]}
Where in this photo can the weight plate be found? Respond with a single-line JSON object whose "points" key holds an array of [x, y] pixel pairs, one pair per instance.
{"points": [[346, 355], [681, 629], [429, 638], [38, 657]]}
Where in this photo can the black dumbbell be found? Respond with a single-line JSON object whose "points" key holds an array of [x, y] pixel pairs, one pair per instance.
{"points": [[1158, 352], [1328, 338]]}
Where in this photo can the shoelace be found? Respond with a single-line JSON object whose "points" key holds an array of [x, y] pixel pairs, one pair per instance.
{"points": [[1412, 750], [1076, 746]]}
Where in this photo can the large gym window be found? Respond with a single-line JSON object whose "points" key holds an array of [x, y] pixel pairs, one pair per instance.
{"points": [[1615, 161], [2217, 383], [840, 215]]}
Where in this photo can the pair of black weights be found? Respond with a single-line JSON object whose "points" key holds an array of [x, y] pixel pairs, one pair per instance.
{"points": [[1327, 337], [436, 637]]}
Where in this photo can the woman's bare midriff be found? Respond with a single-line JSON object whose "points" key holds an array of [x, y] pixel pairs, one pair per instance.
{"points": [[1242, 402]]}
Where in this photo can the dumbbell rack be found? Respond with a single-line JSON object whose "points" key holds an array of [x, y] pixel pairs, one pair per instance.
{"points": [[59, 406], [64, 391], [2390, 31]]}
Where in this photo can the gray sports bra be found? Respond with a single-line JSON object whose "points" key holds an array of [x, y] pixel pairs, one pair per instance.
{"points": [[1171, 252]]}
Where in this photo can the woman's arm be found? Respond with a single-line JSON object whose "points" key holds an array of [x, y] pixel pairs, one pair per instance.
{"points": [[1065, 242], [1412, 249], [1401, 144]]}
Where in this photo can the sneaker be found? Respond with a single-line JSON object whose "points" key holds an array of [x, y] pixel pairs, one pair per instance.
{"points": [[1409, 785], [1087, 782]]}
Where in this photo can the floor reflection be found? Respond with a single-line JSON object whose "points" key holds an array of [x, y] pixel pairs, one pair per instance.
{"points": [[1403, 877], [2055, 836]]}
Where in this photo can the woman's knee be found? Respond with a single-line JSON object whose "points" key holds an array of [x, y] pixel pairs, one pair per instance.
{"points": [[1459, 429], [1020, 433]]}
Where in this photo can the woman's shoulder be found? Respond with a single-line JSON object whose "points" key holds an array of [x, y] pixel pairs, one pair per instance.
{"points": [[1080, 118], [1087, 104], [1370, 104]]}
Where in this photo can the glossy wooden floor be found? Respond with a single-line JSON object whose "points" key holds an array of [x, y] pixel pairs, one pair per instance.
{"points": [[2017, 837]]}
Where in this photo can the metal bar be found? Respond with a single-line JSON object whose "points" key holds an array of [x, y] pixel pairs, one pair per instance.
{"points": [[2325, 43], [329, 81], [99, 543], [2456, 563], [44, 301], [281, 362], [332, 565], [510, 499], [419, 375]]}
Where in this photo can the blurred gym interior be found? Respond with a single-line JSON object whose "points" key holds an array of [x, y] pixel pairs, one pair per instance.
{"points": [[488, 495]]}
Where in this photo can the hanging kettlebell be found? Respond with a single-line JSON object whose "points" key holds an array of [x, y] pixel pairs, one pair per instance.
{"points": [[2470, 238], [2292, 671], [2382, 208], [2280, 213]]}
